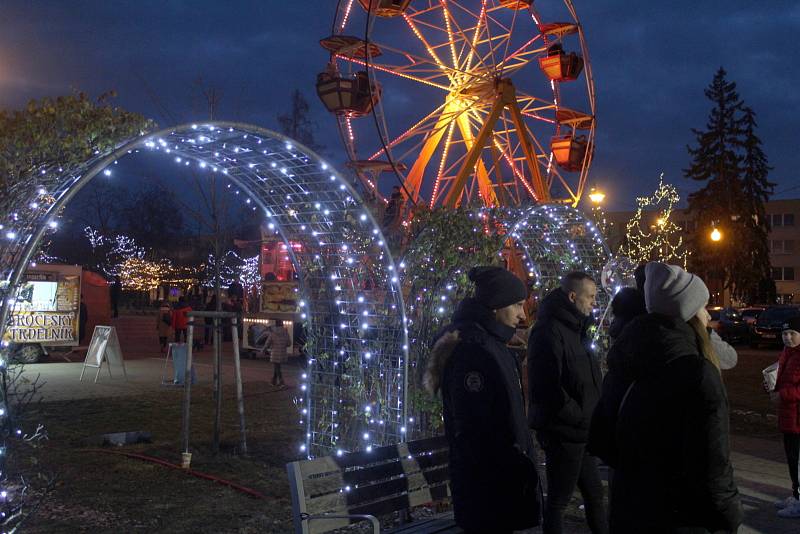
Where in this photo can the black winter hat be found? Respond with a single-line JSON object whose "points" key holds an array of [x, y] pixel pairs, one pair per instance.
{"points": [[496, 287], [793, 323]]}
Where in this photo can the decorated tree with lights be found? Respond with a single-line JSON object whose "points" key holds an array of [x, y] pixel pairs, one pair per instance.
{"points": [[729, 160], [661, 241], [48, 135]]}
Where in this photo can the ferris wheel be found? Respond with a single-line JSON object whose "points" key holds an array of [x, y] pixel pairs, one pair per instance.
{"points": [[463, 102]]}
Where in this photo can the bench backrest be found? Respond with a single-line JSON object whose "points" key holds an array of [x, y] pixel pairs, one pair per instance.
{"points": [[382, 481]]}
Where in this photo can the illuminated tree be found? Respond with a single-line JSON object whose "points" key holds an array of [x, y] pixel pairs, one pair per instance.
{"points": [[661, 241]]}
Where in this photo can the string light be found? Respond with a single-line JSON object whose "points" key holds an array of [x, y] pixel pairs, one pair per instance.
{"points": [[661, 241]]}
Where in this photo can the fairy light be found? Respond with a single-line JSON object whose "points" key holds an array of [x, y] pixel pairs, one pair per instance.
{"points": [[425, 43], [394, 72], [442, 162], [446, 14], [481, 17], [662, 242], [346, 14], [328, 237]]}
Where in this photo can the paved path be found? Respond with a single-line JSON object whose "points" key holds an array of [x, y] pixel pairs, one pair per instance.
{"points": [[144, 375]]}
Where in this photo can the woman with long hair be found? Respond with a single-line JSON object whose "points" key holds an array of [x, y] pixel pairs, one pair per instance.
{"points": [[662, 420]]}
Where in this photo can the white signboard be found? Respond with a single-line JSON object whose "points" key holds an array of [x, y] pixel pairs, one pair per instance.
{"points": [[104, 347]]}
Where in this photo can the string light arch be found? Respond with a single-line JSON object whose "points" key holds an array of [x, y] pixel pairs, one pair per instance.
{"points": [[352, 395]]}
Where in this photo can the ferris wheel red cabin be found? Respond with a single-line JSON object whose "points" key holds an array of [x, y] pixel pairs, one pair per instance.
{"points": [[516, 4], [569, 151], [561, 66], [385, 8]]}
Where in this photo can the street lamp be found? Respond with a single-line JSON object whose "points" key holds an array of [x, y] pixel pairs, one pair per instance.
{"points": [[716, 235], [596, 196]]}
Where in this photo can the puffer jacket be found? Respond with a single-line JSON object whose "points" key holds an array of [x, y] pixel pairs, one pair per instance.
{"points": [[493, 475], [788, 387], [563, 375], [662, 424]]}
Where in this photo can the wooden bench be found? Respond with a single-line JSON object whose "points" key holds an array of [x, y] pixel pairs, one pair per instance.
{"points": [[335, 491]]}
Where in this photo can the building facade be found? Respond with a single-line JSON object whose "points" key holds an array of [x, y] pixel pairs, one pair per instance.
{"points": [[784, 241]]}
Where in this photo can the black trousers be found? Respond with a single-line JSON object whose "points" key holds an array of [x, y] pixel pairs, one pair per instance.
{"points": [[568, 466], [180, 332], [791, 444]]}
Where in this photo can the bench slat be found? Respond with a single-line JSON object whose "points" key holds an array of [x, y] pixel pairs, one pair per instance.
{"points": [[384, 480], [340, 502], [438, 524]]}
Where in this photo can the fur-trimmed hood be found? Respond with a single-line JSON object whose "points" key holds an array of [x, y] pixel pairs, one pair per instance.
{"points": [[469, 315], [440, 354]]}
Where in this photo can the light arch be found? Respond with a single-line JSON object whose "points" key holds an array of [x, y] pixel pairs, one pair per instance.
{"points": [[354, 391]]}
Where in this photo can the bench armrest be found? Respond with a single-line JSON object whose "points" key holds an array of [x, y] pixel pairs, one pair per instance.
{"points": [[376, 526]]}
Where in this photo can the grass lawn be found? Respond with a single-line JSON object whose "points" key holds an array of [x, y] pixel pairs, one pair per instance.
{"points": [[97, 492]]}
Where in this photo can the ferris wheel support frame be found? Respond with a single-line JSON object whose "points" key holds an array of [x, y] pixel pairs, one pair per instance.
{"points": [[506, 97]]}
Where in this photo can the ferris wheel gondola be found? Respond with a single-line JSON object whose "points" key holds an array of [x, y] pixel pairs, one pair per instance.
{"points": [[466, 102]]}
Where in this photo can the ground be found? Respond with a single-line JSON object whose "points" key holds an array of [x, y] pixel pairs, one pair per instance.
{"points": [[99, 491]]}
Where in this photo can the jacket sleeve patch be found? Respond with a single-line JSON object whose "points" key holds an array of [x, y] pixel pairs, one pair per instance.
{"points": [[473, 382]]}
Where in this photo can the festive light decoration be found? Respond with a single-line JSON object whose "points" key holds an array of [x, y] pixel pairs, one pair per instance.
{"points": [[475, 61], [661, 241], [348, 287], [540, 244]]}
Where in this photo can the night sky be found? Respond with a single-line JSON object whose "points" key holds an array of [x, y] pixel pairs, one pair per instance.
{"points": [[651, 62]]}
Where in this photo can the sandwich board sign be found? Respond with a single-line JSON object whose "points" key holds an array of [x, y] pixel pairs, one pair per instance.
{"points": [[104, 347]]}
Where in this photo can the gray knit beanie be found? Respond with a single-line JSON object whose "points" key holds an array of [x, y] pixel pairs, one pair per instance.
{"points": [[671, 291]]}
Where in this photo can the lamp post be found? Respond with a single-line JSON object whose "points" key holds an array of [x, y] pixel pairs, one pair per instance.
{"points": [[596, 196]]}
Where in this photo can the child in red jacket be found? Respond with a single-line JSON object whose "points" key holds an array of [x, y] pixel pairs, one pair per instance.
{"points": [[787, 391]]}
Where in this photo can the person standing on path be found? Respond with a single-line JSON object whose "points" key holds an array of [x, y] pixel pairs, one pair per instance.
{"points": [[564, 385], [787, 396], [163, 324], [277, 343], [116, 291], [493, 474], [662, 421], [180, 321]]}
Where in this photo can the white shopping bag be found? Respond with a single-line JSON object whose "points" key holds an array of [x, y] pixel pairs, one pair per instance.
{"points": [[770, 376]]}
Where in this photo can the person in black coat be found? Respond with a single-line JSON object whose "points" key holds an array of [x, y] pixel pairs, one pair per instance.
{"points": [[662, 420], [493, 476], [564, 386], [627, 304]]}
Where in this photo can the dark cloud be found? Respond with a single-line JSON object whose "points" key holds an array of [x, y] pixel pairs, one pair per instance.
{"points": [[651, 62]]}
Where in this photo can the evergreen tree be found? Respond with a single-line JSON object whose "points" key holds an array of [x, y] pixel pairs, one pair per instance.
{"points": [[728, 158], [297, 124]]}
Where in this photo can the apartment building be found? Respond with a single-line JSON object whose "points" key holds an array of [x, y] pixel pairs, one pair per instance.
{"points": [[784, 241]]}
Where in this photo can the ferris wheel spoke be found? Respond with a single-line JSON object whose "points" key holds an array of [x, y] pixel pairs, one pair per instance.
{"points": [[499, 67], [424, 41], [397, 71], [466, 41], [480, 19], [442, 162], [413, 130], [423, 65]]}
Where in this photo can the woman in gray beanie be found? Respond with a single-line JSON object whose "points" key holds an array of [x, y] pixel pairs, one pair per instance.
{"points": [[662, 419]]}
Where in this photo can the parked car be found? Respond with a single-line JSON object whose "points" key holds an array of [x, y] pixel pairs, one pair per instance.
{"points": [[750, 314], [729, 324], [768, 326]]}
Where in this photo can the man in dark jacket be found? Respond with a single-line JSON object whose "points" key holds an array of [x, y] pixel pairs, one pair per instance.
{"points": [[564, 385], [493, 475], [662, 420]]}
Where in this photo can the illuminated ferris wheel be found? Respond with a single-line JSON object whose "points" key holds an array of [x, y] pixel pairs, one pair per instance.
{"points": [[463, 102]]}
